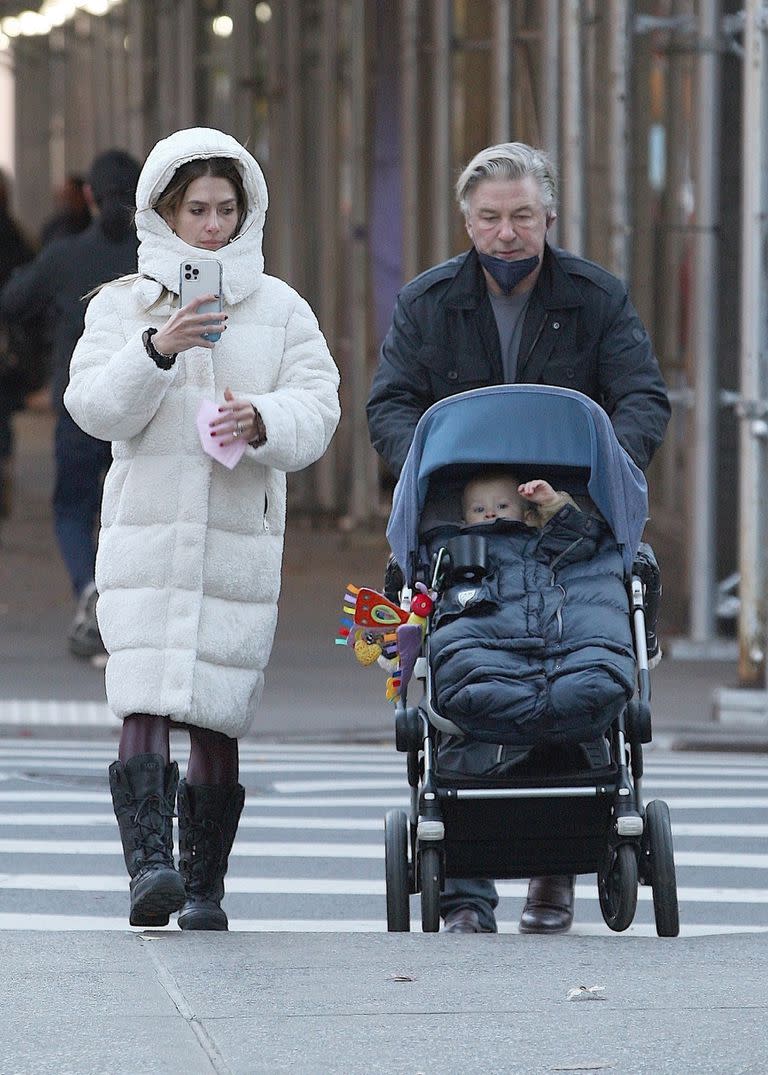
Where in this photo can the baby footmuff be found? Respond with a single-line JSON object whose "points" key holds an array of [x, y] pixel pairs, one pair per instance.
{"points": [[529, 652]]}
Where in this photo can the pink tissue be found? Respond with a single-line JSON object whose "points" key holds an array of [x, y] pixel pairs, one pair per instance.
{"points": [[228, 454]]}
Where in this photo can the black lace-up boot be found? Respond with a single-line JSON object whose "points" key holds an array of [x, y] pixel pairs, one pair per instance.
{"points": [[143, 794], [208, 819]]}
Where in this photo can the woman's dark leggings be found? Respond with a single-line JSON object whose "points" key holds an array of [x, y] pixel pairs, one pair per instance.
{"points": [[213, 757]]}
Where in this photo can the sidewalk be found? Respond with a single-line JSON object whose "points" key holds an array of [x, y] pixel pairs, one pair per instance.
{"points": [[313, 688], [378, 1004]]}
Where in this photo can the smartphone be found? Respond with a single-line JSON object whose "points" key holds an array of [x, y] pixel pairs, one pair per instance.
{"points": [[202, 278]]}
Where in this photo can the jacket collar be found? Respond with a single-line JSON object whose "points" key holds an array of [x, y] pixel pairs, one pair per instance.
{"points": [[554, 289]]}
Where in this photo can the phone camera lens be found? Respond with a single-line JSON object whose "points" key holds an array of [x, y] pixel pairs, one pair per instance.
{"points": [[187, 275], [187, 267]]}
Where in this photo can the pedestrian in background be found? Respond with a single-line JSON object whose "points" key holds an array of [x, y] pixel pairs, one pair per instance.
{"points": [[14, 251], [190, 551], [55, 286], [73, 212]]}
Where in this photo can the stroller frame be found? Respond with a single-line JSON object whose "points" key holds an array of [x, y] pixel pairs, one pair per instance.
{"points": [[595, 820]]}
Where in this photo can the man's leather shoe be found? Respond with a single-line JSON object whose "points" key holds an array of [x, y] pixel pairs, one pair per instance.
{"points": [[463, 920], [549, 906]]}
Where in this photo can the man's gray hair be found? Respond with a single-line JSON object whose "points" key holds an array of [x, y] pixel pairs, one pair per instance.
{"points": [[509, 160]]}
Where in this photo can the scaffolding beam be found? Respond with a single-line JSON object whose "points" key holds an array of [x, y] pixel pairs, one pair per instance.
{"points": [[753, 429]]}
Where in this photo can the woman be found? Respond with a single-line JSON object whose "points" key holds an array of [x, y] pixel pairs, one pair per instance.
{"points": [[188, 565]]}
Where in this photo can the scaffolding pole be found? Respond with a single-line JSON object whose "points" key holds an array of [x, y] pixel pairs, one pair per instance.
{"points": [[360, 495], [702, 578], [618, 76], [752, 471], [501, 72], [549, 87], [442, 84], [409, 133], [328, 224], [572, 225]]}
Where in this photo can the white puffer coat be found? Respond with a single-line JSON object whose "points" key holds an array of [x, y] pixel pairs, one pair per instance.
{"points": [[189, 556]]}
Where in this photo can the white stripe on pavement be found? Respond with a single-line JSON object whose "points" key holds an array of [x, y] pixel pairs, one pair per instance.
{"points": [[92, 714], [305, 749], [69, 923], [242, 849], [302, 850], [331, 766], [369, 802], [744, 831], [73, 820], [291, 886]]}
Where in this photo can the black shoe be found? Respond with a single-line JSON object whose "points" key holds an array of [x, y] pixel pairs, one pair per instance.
{"points": [[84, 636], [462, 920], [208, 820], [549, 906], [143, 794]]}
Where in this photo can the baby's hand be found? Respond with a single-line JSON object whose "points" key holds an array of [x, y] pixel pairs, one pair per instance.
{"points": [[537, 491]]}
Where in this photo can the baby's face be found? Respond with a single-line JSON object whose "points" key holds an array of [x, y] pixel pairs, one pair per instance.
{"points": [[492, 498]]}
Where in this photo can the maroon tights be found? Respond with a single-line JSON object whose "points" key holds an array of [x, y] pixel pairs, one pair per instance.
{"points": [[213, 757]]}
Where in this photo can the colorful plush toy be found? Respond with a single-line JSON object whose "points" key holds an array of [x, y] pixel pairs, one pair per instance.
{"points": [[380, 632], [365, 614]]}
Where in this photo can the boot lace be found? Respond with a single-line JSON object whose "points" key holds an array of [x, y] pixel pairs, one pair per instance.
{"points": [[153, 820]]}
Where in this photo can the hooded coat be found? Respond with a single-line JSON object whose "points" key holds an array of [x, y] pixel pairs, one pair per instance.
{"points": [[190, 552]]}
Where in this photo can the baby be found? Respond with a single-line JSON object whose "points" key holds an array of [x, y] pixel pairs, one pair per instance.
{"points": [[494, 497]]}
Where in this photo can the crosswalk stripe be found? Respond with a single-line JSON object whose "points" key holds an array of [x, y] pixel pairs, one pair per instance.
{"points": [[319, 886], [96, 765], [302, 850], [368, 802], [242, 849], [303, 787], [74, 820], [742, 831], [109, 923]]}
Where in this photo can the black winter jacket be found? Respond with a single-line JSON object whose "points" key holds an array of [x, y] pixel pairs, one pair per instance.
{"points": [[540, 650], [54, 285], [580, 331]]}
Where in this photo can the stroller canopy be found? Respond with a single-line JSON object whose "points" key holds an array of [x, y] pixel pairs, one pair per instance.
{"points": [[520, 424]]}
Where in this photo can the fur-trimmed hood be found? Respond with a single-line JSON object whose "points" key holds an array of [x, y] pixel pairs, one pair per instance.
{"points": [[161, 251]]}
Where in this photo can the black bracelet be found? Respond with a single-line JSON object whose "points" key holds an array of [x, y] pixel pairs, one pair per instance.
{"points": [[163, 362]]}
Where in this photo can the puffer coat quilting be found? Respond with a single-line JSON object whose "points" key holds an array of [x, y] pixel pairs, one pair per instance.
{"points": [[541, 649], [189, 556]]}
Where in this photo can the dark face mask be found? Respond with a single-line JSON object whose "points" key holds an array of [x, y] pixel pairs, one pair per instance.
{"points": [[508, 274]]}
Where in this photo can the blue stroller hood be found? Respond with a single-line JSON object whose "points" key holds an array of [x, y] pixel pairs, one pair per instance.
{"points": [[520, 424]]}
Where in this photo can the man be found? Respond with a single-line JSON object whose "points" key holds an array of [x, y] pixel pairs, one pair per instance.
{"points": [[514, 310], [55, 286]]}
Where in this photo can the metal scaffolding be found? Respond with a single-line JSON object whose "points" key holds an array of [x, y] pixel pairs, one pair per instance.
{"points": [[362, 115]]}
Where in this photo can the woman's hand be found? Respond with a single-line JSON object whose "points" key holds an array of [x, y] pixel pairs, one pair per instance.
{"points": [[185, 328], [237, 419]]}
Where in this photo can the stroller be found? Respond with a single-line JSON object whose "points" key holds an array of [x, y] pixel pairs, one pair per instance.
{"points": [[527, 800]]}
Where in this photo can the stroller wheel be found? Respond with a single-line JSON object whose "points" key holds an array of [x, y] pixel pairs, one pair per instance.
{"points": [[617, 887], [658, 848], [429, 877], [396, 871]]}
